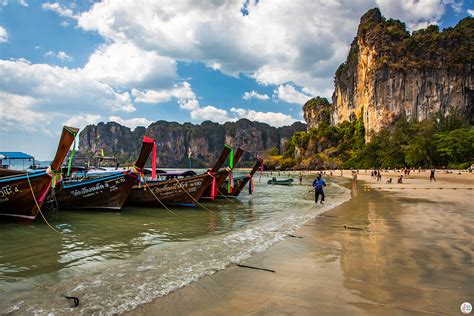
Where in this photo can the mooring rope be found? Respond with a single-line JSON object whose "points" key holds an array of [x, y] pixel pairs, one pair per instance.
{"points": [[37, 205], [225, 197], [207, 209], [162, 204]]}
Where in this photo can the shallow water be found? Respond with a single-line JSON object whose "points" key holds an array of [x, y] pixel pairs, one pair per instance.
{"points": [[113, 262]]}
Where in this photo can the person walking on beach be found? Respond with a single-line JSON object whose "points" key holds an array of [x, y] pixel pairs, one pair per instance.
{"points": [[432, 175], [318, 185]]}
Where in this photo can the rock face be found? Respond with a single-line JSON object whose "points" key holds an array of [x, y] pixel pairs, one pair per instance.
{"points": [[317, 110], [390, 73], [174, 140]]}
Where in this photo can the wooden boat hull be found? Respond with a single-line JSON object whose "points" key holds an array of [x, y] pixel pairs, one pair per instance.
{"points": [[105, 192], [221, 176], [8, 172], [22, 194], [220, 179], [280, 182], [240, 182], [170, 192], [108, 192], [239, 185], [183, 192], [16, 199]]}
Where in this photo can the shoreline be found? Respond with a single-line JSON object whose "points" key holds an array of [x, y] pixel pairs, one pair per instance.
{"points": [[385, 250]]}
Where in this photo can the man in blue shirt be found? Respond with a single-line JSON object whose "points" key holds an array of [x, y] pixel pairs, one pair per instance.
{"points": [[318, 185]]}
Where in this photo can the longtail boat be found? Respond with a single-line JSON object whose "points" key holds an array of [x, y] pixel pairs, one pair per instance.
{"points": [[241, 181], [274, 181], [223, 174], [104, 190], [180, 191], [22, 195]]}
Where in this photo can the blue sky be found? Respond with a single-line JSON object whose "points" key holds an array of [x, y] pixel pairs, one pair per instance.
{"points": [[82, 62]]}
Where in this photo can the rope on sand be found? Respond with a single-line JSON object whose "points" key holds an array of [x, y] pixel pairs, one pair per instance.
{"points": [[294, 236], [255, 268], [74, 298], [350, 227]]}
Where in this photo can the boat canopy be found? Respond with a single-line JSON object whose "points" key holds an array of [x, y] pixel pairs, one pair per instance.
{"points": [[16, 160], [171, 173], [14, 155]]}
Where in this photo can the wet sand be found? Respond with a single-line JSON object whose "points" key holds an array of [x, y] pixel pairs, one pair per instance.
{"points": [[389, 250]]}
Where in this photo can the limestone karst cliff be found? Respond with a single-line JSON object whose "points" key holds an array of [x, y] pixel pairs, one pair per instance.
{"points": [[317, 110], [390, 73], [174, 140]]}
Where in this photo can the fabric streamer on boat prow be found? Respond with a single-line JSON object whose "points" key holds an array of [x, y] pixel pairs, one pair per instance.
{"points": [[266, 217], [150, 140]]}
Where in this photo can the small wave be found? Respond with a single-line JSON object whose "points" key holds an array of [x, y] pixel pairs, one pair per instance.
{"points": [[120, 285]]}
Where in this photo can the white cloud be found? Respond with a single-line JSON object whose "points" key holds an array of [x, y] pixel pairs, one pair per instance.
{"points": [[81, 120], [277, 42], [289, 94], [297, 51], [417, 14], [210, 113], [124, 64], [188, 31], [254, 94], [59, 55], [179, 91], [143, 41], [18, 112], [3, 35], [471, 12], [23, 3], [216, 66], [132, 123], [271, 118], [189, 104], [60, 89], [56, 7], [64, 23]]}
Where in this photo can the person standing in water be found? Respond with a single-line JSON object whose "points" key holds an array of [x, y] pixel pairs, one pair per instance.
{"points": [[300, 177], [318, 185]]}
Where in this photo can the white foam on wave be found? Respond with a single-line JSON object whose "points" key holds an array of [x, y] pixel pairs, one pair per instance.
{"points": [[122, 285]]}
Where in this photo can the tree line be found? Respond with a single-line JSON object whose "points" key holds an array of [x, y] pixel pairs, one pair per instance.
{"points": [[440, 141]]}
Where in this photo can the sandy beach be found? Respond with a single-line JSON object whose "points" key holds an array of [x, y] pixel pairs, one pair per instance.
{"points": [[396, 249]]}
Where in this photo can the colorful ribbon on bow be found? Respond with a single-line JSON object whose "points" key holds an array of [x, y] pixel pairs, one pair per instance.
{"points": [[70, 158], [251, 184], [56, 176], [153, 162], [230, 184], [213, 186]]}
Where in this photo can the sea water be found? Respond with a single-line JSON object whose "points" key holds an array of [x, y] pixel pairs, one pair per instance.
{"points": [[115, 261]]}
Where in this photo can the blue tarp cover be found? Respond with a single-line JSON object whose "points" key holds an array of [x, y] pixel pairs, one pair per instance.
{"points": [[15, 155]]}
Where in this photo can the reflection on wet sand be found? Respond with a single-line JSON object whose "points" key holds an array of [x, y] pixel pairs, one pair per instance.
{"points": [[409, 254], [377, 254]]}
